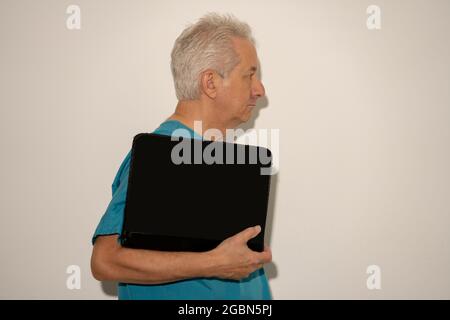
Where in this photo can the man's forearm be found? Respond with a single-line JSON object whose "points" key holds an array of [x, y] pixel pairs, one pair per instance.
{"points": [[137, 266], [153, 267]]}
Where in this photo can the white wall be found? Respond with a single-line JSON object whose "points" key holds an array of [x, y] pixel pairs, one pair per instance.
{"points": [[364, 137]]}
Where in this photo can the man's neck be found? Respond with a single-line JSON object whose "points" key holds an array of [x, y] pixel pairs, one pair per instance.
{"points": [[187, 112]]}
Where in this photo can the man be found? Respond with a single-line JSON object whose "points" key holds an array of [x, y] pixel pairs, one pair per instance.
{"points": [[214, 65]]}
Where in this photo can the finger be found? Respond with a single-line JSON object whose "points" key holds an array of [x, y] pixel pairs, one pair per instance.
{"points": [[265, 257], [258, 265], [249, 233]]}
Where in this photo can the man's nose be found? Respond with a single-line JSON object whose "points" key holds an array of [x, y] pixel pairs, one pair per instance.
{"points": [[259, 89]]}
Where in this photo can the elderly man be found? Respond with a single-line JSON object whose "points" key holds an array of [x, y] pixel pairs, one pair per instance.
{"points": [[214, 65]]}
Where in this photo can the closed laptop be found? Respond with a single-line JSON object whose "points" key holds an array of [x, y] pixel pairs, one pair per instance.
{"points": [[190, 194]]}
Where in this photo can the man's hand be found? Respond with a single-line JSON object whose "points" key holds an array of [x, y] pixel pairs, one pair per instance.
{"points": [[235, 260]]}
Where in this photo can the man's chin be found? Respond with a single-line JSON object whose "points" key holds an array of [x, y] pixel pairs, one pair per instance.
{"points": [[246, 117]]}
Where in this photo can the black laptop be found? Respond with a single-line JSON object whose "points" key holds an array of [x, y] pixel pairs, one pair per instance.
{"points": [[190, 194]]}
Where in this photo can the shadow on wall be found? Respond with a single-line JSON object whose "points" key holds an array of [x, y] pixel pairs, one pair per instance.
{"points": [[270, 268], [110, 288]]}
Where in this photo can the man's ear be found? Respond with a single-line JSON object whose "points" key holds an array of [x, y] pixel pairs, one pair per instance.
{"points": [[208, 83]]}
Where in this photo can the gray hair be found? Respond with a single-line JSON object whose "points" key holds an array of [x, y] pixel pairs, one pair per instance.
{"points": [[205, 45]]}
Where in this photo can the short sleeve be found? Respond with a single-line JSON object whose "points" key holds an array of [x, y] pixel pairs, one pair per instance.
{"points": [[112, 220]]}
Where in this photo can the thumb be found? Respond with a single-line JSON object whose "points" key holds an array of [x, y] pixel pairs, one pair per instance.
{"points": [[250, 233]]}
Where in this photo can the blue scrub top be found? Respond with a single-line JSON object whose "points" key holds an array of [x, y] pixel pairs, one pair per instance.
{"points": [[253, 287]]}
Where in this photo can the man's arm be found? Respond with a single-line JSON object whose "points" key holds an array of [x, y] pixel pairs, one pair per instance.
{"points": [[232, 259]]}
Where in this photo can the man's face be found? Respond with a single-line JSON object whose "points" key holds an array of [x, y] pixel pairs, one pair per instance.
{"points": [[240, 90]]}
